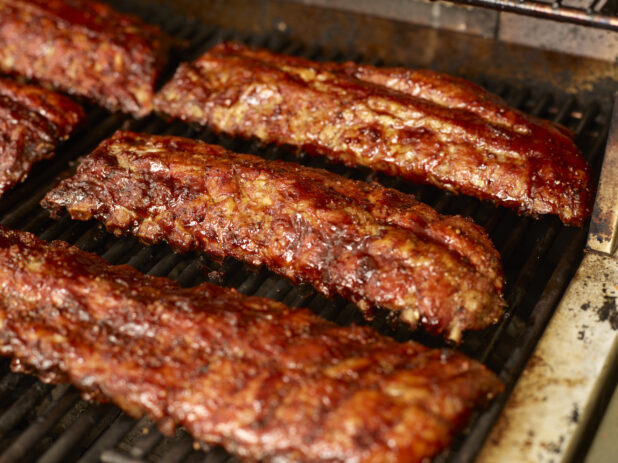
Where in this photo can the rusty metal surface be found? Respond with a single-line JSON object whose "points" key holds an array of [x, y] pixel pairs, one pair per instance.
{"points": [[549, 412], [603, 235]]}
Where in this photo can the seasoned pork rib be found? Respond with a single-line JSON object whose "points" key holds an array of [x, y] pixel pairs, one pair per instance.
{"points": [[420, 125], [85, 48], [373, 245], [264, 381], [33, 121]]}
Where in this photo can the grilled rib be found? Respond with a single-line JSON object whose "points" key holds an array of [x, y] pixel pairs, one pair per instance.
{"points": [[85, 48], [264, 381], [420, 125], [33, 121], [373, 245]]}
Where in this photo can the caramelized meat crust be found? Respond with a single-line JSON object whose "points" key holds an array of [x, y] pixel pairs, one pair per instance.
{"points": [[370, 244], [417, 124], [85, 48], [265, 381], [33, 121]]}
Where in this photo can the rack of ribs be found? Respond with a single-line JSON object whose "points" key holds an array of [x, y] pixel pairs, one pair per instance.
{"points": [[85, 48], [267, 382], [33, 121], [373, 245], [417, 124]]}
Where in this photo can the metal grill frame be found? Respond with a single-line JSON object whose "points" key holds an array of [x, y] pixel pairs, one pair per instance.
{"points": [[594, 14], [53, 424]]}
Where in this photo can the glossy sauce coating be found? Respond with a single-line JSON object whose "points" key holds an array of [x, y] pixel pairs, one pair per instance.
{"points": [[266, 382], [85, 48], [373, 245], [33, 121], [420, 125]]}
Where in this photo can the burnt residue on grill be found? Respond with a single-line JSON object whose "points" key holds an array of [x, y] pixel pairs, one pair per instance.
{"points": [[607, 311]]}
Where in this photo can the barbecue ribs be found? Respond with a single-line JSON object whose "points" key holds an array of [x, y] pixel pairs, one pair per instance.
{"points": [[33, 121], [264, 381], [419, 125], [85, 48], [373, 245]]}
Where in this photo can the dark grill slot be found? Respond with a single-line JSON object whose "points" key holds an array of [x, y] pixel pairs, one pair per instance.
{"points": [[79, 430], [27, 400], [31, 438], [47, 423], [117, 428]]}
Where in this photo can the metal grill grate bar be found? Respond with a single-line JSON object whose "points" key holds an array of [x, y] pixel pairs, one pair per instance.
{"points": [[114, 433], [26, 402], [72, 437], [26, 442]]}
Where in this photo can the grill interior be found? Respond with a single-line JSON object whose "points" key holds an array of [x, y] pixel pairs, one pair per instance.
{"points": [[50, 423], [598, 13]]}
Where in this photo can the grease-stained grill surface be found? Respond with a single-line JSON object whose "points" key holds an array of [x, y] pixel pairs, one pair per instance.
{"points": [[539, 257]]}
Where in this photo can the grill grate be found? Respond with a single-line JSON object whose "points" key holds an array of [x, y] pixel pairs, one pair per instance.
{"points": [[597, 13], [50, 423]]}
